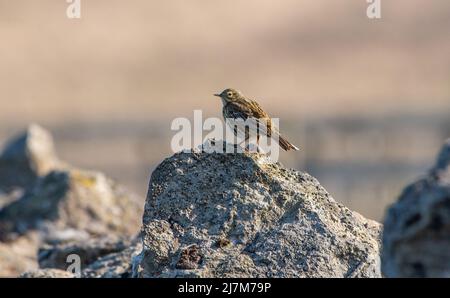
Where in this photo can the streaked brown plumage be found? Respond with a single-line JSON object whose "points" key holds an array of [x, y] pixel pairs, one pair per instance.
{"points": [[237, 106]]}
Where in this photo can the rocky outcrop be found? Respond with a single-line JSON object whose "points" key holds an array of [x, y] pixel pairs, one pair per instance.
{"points": [[206, 215], [56, 203], [236, 215], [416, 236]]}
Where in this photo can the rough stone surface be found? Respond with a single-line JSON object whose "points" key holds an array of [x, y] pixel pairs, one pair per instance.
{"points": [[416, 237], [47, 273], [235, 215], [26, 157]]}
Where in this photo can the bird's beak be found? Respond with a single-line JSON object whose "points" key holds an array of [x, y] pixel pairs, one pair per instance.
{"points": [[218, 95]]}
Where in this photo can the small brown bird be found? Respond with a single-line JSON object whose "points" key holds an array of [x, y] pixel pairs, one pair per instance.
{"points": [[238, 107]]}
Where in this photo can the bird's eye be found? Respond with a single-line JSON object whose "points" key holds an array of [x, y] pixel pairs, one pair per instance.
{"points": [[230, 94]]}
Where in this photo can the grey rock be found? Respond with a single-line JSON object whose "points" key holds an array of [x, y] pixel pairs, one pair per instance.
{"points": [[47, 273], [114, 265], [106, 257], [237, 215], [416, 236], [89, 251], [72, 200], [26, 157]]}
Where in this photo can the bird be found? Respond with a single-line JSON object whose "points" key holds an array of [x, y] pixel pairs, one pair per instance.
{"points": [[238, 107]]}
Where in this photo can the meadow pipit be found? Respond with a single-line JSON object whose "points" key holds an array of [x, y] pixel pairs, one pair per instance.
{"points": [[238, 107]]}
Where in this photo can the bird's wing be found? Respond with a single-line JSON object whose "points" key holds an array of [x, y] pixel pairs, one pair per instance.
{"points": [[260, 121], [265, 122], [257, 110]]}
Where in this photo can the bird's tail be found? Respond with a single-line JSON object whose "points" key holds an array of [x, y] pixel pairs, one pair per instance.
{"points": [[286, 145]]}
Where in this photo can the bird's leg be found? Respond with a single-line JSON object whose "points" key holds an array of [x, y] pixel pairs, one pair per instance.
{"points": [[246, 145], [247, 139], [243, 141], [257, 143]]}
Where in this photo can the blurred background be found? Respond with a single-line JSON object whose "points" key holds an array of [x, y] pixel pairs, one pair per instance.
{"points": [[368, 101]]}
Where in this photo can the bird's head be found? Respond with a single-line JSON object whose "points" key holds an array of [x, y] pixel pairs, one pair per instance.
{"points": [[229, 95]]}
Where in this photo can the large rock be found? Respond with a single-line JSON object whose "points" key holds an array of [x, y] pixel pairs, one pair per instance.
{"points": [[235, 215], [416, 236], [26, 157]]}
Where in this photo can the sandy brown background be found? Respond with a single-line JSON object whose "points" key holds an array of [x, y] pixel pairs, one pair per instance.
{"points": [[367, 100]]}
